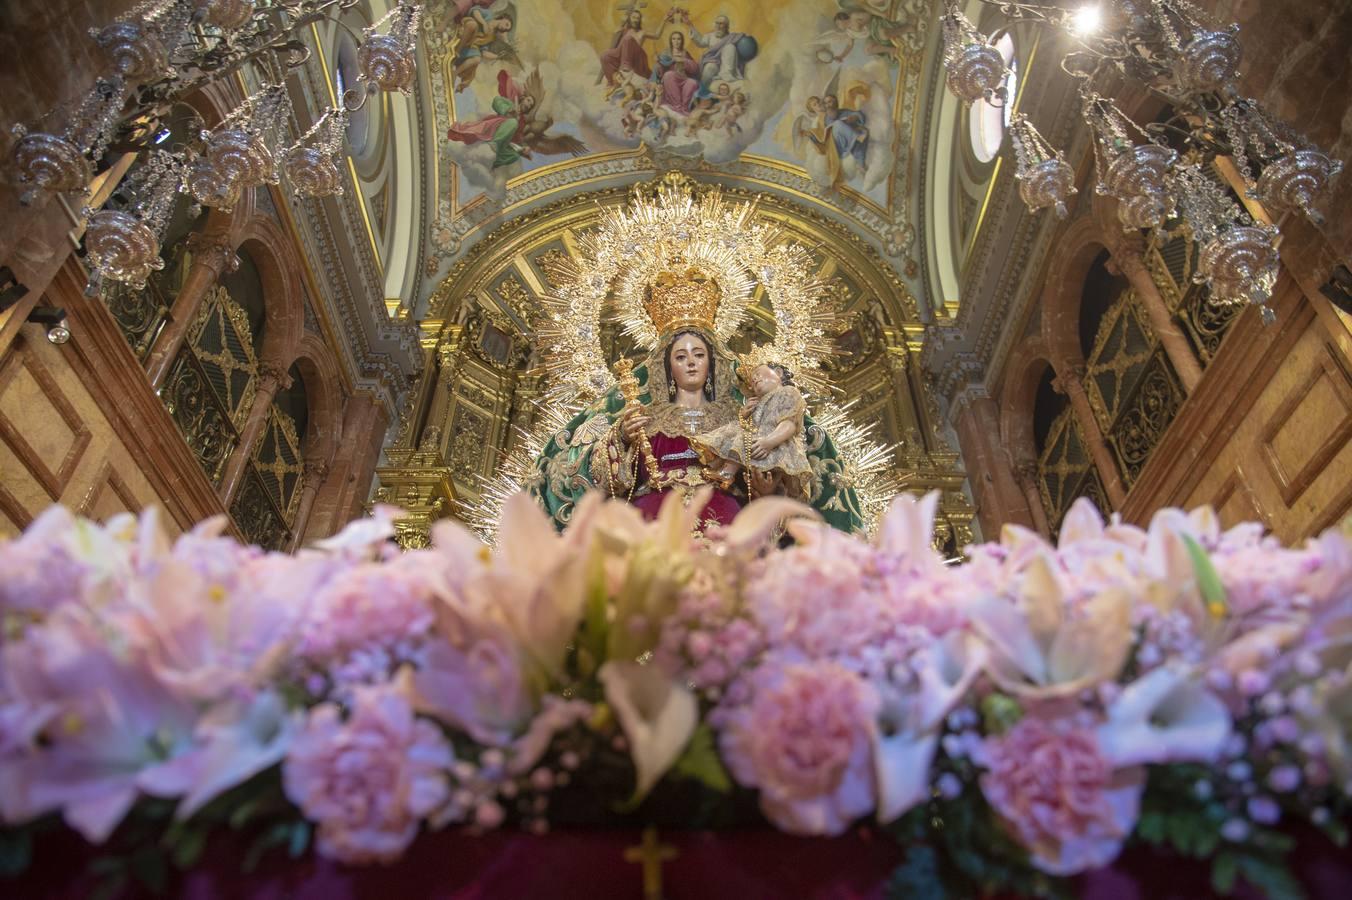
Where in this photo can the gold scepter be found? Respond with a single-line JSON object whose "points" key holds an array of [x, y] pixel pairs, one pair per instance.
{"points": [[628, 383]]}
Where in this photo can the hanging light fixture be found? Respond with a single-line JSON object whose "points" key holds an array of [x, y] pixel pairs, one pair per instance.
{"points": [[1156, 171], [124, 244], [1136, 174], [1045, 178], [164, 50], [312, 168], [388, 61]]}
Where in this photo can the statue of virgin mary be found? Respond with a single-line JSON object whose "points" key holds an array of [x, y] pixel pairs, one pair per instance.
{"points": [[687, 385]]}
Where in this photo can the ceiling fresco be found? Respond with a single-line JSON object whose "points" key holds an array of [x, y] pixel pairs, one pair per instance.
{"points": [[816, 97]]}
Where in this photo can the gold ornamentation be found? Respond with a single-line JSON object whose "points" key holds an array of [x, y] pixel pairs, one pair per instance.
{"points": [[665, 259], [686, 300]]}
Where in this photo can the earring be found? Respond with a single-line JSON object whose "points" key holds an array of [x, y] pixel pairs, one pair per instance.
{"points": [[709, 386], [671, 389]]}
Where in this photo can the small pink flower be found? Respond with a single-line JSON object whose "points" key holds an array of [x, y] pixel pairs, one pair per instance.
{"points": [[1059, 795], [369, 780], [805, 740], [374, 604]]}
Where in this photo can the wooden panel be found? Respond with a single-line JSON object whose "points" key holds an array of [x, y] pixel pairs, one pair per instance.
{"points": [[57, 445], [1235, 502], [109, 496], [38, 424], [1309, 427]]}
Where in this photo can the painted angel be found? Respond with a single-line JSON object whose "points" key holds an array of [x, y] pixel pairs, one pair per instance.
{"points": [[515, 130], [483, 33]]}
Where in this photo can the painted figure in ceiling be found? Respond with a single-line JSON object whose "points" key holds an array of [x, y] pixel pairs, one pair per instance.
{"points": [[678, 74], [726, 52], [516, 130], [483, 33], [627, 53]]}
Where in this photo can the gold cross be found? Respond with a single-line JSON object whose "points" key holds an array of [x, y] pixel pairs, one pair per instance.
{"points": [[651, 855]]}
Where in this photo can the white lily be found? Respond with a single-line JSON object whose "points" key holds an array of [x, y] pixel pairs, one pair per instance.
{"points": [[658, 717], [1165, 716], [909, 724], [1041, 647]]}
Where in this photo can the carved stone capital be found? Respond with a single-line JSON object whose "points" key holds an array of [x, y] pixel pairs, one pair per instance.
{"points": [[315, 472], [213, 251], [272, 376]]}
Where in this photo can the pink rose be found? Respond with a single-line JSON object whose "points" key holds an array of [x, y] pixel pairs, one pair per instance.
{"points": [[804, 739], [1059, 795], [367, 781]]}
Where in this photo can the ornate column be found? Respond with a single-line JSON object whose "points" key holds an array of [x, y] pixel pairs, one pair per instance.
{"points": [[315, 473], [999, 497], [212, 257], [272, 378], [1127, 260], [1070, 381], [1026, 473]]}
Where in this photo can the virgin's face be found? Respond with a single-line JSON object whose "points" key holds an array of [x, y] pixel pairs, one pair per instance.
{"points": [[677, 41], [689, 362]]}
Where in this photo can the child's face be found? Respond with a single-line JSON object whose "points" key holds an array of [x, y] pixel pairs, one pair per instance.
{"points": [[764, 380]]}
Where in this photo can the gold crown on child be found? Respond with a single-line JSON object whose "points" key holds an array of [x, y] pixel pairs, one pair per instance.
{"points": [[677, 300]]}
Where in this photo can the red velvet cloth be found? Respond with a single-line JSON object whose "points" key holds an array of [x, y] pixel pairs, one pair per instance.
{"points": [[590, 864], [722, 507]]}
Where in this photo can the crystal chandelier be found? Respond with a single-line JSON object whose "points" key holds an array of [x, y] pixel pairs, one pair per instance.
{"points": [[1157, 172], [164, 50]]}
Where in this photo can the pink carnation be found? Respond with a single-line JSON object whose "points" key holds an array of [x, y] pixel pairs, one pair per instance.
{"points": [[373, 605], [1059, 795], [804, 739], [369, 780]]}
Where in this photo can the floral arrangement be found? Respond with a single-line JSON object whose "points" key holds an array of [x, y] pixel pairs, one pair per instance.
{"points": [[1178, 685]]}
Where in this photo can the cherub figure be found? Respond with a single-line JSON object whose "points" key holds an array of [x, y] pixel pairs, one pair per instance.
{"points": [[768, 436]]}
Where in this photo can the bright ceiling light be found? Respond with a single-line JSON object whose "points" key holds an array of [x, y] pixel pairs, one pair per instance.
{"points": [[1086, 20]]}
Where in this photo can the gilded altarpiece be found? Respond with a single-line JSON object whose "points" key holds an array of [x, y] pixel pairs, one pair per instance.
{"points": [[483, 391]]}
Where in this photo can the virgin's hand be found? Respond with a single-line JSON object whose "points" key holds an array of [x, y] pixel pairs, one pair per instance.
{"points": [[631, 424]]}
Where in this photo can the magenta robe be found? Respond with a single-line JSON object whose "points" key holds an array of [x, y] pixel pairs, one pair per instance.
{"points": [[721, 508], [680, 83]]}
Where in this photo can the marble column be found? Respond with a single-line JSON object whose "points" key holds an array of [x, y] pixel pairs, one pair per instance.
{"points": [[999, 499], [212, 257], [272, 377], [316, 471], [1070, 381], [1128, 261], [1026, 473]]}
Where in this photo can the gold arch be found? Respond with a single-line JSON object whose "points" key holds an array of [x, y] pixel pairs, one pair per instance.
{"points": [[511, 244]]}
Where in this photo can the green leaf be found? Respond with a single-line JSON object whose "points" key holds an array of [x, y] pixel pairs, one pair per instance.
{"points": [[1208, 580], [1271, 877], [300, 839], [151, 869], [918, 878], [595, 625], [701, 762], [1000, 713], [275, 836], [1224, 871], [110, 886], [188, 847], [16, 852]]}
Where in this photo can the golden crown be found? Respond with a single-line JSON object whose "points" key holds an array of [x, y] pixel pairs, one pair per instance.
{"points": [[682, 300]]}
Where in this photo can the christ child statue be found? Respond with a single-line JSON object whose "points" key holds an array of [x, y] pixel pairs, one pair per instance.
{"points": [[767, 438]]}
